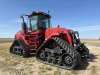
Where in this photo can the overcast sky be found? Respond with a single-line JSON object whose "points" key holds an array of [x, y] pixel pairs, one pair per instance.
{"points": [[81, 15]]}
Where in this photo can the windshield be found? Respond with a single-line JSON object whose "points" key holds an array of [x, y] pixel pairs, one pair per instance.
{"points": [[34, 23]]}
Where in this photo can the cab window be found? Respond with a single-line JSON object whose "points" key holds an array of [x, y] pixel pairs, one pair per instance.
{"points": [[34, 23], [43, 22]]}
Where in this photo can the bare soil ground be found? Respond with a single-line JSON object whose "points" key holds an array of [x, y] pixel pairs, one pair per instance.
{"points": [[15, 65], [2, 40]]}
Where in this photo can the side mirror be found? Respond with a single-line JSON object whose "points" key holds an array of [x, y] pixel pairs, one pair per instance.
{"points": [[22, 18], [24, 26]]}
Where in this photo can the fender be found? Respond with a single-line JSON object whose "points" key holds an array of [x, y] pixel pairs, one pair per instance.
{"points": [[58, 32]]}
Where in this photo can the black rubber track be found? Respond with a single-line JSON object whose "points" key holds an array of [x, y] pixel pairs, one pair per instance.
{"points": [[26, 50], [12, 45], [65, 46], [22, 43], [24, 46]]}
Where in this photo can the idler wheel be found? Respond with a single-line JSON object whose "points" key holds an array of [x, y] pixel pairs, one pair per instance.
{"points": [[68, 61], [42, 55], [54, 61], [49, 60]]}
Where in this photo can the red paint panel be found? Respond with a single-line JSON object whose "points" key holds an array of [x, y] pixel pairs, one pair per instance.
{"points": [[50, 32]]}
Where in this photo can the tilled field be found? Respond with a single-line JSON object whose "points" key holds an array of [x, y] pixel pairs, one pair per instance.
{"points": [[15, 65]]}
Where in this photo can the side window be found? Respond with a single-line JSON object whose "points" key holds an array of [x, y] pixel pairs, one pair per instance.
{"points": [[46, 23], [33, 23]]}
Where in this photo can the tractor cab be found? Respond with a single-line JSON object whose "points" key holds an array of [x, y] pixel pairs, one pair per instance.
{"points": [[39, 21]]}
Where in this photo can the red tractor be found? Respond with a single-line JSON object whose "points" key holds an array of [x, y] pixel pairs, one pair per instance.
{"points": [[58, 46]]}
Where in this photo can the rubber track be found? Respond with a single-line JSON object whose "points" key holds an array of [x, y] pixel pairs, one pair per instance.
{"points": [[23, 44], [69, 50], [12, 46]]}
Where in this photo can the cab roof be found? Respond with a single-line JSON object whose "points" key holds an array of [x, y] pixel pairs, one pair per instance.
{"points": [[39, 13]]}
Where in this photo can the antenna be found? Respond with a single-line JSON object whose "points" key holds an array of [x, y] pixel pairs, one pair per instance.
{"points": [[48, 12]]}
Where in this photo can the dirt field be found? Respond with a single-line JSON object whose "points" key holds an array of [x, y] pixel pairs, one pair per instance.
{"points": [[15, 65], [2, 40]]}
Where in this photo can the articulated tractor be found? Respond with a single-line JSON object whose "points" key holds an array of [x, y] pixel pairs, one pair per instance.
{"points": [[57, 46]]}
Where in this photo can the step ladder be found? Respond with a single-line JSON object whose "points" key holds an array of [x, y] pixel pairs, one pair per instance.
{"points": [[32, 41]]}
